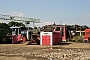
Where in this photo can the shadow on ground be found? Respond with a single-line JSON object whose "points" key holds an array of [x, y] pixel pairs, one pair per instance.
{"points": [[65, 43]]}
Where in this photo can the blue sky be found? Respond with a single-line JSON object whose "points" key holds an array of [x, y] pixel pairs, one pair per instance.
{"points": [[49, 11]]}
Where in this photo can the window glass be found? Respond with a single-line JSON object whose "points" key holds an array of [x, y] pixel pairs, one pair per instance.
{"points": [[62, 30], [57, 29]]}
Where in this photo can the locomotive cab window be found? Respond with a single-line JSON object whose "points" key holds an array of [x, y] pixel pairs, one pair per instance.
{"points": [[62, 30], [57, 29]]}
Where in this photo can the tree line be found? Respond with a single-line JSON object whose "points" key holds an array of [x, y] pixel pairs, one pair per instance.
{"points": [[12, 23]]}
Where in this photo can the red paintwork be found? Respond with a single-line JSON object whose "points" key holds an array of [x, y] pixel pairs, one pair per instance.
{"points": [[43, 40], [56, 38], [24, 38], [19, 37], [14, 39], [64, 31], [46, 40], [86, 34]]}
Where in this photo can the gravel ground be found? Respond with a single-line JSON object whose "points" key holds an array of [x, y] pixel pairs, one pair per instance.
{"points": [[65, 51]]}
